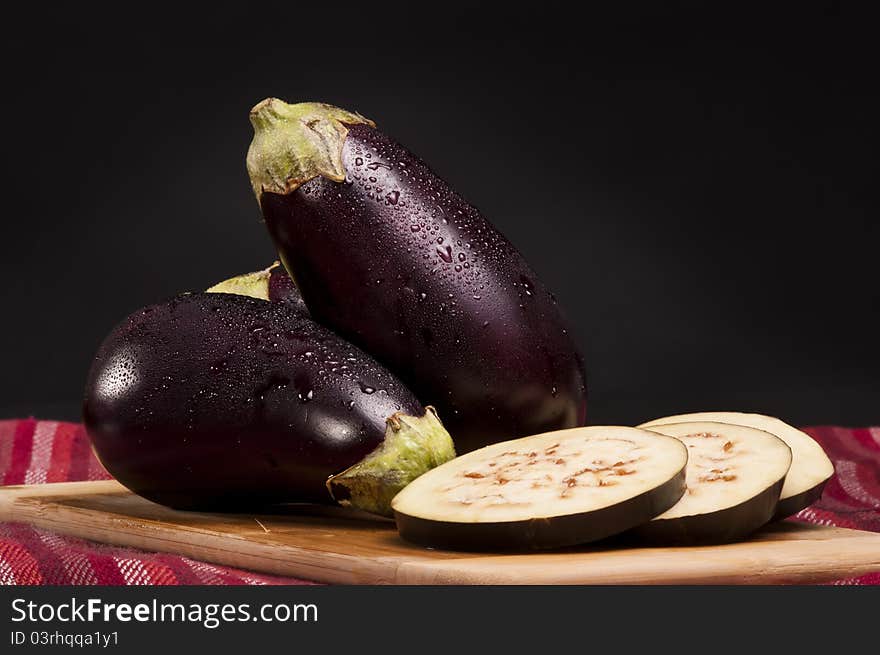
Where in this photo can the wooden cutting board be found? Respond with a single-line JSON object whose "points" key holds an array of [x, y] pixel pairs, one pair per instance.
{"points": [[335, 545]]}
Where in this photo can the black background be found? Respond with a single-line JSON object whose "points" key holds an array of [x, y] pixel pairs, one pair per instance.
{"points": [[694, 185]]}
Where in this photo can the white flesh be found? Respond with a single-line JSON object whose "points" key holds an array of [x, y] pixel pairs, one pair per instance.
{"points": [[553, 474], [727, 465], [810, 465]]}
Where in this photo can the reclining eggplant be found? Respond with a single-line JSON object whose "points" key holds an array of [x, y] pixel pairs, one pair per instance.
{"points": [[392, 259], [223, 402]]}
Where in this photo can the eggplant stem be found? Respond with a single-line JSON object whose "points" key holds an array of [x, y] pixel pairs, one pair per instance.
{"points": [[413, 445], [293, 144], [254, 285]]}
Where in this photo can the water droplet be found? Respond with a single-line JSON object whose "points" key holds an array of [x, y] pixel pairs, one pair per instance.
{"points": [[458, 268], [306, 396], [554, 391], [367, 389], [445, 254], [378, 164], [414, 227], [461, 256], [358, 161], [392, 197], [527, 284]]}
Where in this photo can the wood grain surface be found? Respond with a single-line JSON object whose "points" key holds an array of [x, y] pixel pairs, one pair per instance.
{"points": [[337, 546]]}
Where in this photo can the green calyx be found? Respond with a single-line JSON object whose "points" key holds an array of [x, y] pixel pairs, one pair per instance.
{"points": [[255, 285], [294, 143], [413, 445]]}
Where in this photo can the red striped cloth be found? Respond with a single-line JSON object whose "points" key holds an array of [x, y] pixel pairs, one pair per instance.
{"points": [[34, 452]]}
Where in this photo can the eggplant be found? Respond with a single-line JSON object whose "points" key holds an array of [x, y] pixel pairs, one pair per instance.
{"points": [[223, 402], [387, 255], [272, 284], [734, 477], [810, 467], [545, 491]]}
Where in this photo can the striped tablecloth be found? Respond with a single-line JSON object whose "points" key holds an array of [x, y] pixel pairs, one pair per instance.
{"points": [[35, 452]]}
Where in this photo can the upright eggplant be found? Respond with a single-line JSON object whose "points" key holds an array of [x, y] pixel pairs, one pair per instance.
{"points": [[226, 402], [386, 254]]}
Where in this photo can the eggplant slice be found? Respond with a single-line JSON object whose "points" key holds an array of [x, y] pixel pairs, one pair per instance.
{"points": [[734, 477], [545, 491], [810, 467]]}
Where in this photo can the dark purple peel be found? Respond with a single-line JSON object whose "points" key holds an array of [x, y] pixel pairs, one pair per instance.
{"points": [[225, 402], [790, 506], [282, 289], [731, 524], [388, 256]]}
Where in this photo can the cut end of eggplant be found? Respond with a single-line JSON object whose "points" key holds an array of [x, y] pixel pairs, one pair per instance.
{"points": [[412, 446], [810, 467], [734, 478], [253, 285], [295, 143], [545, 491]]}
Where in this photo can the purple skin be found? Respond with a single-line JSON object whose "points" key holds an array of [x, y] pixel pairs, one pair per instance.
{"points": [[396, 262], [282, 289], [219, 401]]}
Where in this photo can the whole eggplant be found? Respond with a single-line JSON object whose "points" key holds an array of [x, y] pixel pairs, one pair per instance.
{"points": [[387, 255], [225, 402], [272, 284]]}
